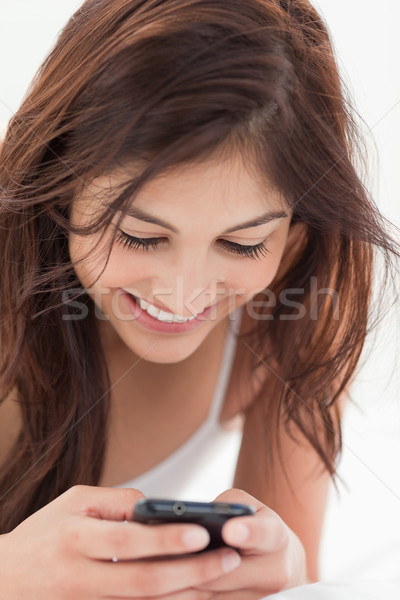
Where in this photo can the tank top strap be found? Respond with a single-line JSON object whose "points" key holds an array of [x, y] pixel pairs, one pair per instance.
{"points": [[235, 319]]}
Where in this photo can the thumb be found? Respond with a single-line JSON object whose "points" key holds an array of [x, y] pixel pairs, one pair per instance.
{"points": [[235, 495]]}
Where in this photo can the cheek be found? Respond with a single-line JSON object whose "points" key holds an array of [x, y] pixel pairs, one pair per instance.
{"points": [[88, 253], [123, 269], [254, 275], [88, 256], [251, 279]]}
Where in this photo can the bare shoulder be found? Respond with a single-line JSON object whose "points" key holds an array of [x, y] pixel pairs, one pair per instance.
{"points": [[10, 424]]}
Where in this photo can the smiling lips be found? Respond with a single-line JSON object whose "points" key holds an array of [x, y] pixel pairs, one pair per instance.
{"points": [[160, 314], [157, 324]]}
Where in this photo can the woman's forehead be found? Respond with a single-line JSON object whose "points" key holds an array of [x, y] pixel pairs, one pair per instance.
{"points": [[227, 181]]}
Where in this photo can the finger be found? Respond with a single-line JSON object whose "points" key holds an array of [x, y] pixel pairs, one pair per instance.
{"points": [[188, 594], [116, 504], [161, 577], [260, 575], [196, 594], [99, 539], [264, 532]]}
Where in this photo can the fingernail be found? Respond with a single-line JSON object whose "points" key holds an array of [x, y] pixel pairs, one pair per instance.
{"points": [[195, 538], [230, 560], [238, 533]]}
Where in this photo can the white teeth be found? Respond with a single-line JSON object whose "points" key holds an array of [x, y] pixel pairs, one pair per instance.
{"points": [[152, 310], [179, 319], [164, 316], [161, 315], [143, 304]]}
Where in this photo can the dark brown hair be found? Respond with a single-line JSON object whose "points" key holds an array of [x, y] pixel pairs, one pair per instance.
{"points": [[165, 83]]}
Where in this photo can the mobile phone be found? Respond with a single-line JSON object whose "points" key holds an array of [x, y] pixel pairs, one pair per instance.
{"points": [[210, 515]]}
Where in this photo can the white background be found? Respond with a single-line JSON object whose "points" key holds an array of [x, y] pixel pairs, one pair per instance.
{"points": [[362, 530]]}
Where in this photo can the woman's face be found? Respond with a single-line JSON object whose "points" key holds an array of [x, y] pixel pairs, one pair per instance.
{"points": [[201, 258]]}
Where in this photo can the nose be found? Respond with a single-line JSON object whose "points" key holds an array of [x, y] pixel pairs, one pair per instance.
{"points": [[188, 286]]}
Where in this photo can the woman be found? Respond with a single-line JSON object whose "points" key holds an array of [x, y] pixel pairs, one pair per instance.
{"points": [[196, 156]]}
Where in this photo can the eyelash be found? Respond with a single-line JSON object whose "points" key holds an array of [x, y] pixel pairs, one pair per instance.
{"points": [[135, 243]]}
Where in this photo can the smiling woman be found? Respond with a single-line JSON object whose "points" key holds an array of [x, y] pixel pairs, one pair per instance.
{"points": [[176, 166], [176, 270]]}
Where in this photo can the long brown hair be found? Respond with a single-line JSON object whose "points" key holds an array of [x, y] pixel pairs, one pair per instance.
{"points": [[166, 83]]}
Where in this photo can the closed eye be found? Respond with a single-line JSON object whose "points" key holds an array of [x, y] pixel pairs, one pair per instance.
{"points": [[135, 243]]}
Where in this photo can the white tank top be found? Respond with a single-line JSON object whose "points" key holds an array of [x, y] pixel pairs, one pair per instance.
{"points": [[204, 466]]}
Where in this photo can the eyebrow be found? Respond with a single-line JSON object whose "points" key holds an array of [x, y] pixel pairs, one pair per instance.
{"points": [[140, 214]]}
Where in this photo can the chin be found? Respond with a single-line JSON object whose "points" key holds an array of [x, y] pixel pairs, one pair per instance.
{"points": [[164, 355], [156, 348]]}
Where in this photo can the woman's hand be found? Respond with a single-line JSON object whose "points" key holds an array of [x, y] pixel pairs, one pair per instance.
{"points": [[65, 551], [273, 557]]}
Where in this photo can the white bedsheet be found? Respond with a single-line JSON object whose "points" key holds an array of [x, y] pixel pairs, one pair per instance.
{"points": [[345, 590], [360, 550]]}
